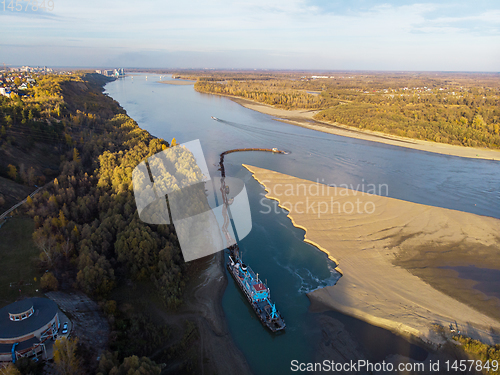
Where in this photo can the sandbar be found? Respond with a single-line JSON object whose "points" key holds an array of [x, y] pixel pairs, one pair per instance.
{"points": [[391, 254], [178, 82], [305, 119]]}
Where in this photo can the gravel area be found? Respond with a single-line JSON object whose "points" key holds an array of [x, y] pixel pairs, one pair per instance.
{"points": [[88, 323]]}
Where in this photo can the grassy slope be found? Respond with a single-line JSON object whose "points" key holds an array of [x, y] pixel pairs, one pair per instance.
{"points": [[18, 255], [12, 192]]}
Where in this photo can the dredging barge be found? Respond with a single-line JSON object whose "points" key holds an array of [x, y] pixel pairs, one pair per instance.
{"points": [[256, 292]]}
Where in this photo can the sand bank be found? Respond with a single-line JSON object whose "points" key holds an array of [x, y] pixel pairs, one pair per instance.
{"points": [[218, 353], [305, 119], [178, 82], [373, 243]]}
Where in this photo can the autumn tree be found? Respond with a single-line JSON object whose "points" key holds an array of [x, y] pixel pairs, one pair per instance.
{"points": [[49, 282], [12, 172], [22, 173], [76, 155], [9, 369], [47, 244], [96, 276], [31, 176], [65, 359], [109, 364]]}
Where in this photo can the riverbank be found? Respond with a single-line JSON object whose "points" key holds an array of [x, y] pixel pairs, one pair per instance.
{"points": [[203, 304], [391, 254], [179, 83], [305, 119]]}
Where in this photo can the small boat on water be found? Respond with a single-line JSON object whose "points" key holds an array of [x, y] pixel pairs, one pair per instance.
{"points": [[214, 118]]}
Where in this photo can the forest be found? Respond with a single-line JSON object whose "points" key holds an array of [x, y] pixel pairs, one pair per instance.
{"points": [[487, 354], [87, 228], [459, 109], [79, 144]]}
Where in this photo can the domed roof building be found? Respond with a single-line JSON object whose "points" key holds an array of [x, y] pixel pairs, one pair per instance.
{"points": [[25, 326]]}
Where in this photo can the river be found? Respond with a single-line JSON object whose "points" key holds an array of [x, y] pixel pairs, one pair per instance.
{"points": [[274, 248]]}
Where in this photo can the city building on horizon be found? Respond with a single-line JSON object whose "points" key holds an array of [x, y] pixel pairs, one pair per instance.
{"points": [[29, 69], [120, 72]]}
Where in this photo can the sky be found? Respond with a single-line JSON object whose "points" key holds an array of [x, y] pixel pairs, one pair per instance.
{"points": [[254, 34]]}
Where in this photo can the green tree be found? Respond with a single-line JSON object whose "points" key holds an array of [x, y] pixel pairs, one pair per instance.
{"points": [[28, 366]]}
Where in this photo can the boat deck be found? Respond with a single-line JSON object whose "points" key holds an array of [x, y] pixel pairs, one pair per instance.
{"points": [[263, 307]]}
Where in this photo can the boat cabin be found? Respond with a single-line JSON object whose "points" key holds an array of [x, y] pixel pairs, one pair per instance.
{"points": [[260, 292]]}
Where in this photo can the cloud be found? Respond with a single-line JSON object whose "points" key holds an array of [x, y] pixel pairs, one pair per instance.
{"points": [[30, 13], [486, 23], [361, 34]]}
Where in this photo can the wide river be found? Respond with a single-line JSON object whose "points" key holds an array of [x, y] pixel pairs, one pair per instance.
{"points": [[274, 248]]}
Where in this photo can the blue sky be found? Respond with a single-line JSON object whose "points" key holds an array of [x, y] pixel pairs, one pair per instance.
{"points": [[256, 34]]}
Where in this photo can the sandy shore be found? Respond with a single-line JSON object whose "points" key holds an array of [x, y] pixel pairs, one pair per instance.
{"points": [[390, 253], [218, 350], [305, 119], [178, 82], [218, 353]]}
